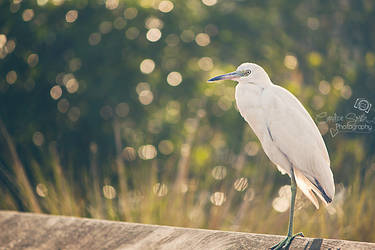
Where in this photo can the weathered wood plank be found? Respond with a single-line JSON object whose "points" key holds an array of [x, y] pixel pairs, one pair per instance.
{"points": [[36, 231]]}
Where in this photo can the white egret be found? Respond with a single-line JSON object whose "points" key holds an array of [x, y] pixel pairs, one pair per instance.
{"points": [[288, 135]]}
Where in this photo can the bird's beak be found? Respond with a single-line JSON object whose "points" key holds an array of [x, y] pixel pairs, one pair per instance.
{"points": [[230, 76]]}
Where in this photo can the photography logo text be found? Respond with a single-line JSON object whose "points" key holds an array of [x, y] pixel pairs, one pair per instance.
{"points": [[363, 105], [351, 122]]}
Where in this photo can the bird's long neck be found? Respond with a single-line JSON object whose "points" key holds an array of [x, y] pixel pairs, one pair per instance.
{"points": [[261, 79], [263, 82]]}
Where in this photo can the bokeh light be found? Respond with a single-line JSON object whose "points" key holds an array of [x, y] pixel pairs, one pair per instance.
{"points": [[153, 35], [249, 195], [202, 39], [130, 13], [218, 198], [172, 40], [160, 189], [74, 114], [219, 172], [33, 60], [290, 62], [187, 36], [122, 109], [346, 92], [132, 33], [109, 192], [111, 4], [75, 64], [129, 153], [142, 86], [147, 66], [206, 64], [209, 2], [3, 40], [63, 105], [71, 16], [28, 15], [314, 58], [166, 6], [154, 23], [282, 202], [313, 23], [147, 152], [41, 190], [58, 2], [10, 46], [95, 38], [166, 147], [252, 148], [11, 77], [324, 87], [38, 138], [338, 82], [317, 102], [56, 92], [119, 23], [72, 85], [240, 184], [42, 2], [174, 78], [105, 27], [145, 97]]}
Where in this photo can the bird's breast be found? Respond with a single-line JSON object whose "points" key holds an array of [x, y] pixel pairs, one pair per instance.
{"points": [[248, 100]]}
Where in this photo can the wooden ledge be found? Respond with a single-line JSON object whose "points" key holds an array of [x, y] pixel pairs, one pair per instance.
{"points": [[37, 231]]}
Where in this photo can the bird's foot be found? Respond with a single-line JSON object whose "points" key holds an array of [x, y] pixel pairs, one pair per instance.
{"points": [[286, 242]]}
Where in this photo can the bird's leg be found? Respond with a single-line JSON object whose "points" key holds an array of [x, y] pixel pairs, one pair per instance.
{"points": [[286, 242]]}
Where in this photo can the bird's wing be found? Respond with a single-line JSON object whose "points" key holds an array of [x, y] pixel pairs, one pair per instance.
{"points": [[295, 134]]}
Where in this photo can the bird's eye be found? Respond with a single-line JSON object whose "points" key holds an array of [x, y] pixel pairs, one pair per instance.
{"points": [[247, 72]]}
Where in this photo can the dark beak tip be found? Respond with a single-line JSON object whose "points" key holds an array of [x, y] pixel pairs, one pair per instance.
{"points": [[228, 76], [216, 78]]}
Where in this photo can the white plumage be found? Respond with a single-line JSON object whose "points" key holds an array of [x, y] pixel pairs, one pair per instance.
{"points": [[285, 129]]}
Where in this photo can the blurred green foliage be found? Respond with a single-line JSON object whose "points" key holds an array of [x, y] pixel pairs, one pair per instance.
{"points": [[105, 111]]}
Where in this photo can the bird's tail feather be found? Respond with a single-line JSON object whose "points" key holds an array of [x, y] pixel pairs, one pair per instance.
{"points": [[310, 189]]}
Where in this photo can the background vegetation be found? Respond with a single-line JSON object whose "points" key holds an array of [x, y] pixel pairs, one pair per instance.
{"points": [[105, 111]]}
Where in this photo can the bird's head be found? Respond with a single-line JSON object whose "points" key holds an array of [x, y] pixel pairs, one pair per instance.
{"points": [[246, 73]]}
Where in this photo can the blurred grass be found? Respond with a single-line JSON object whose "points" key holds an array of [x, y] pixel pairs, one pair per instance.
{"points": [[177, 198], [122, 143]]}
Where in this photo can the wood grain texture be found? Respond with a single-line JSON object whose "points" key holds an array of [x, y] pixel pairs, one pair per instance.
{"points": [[37, 231]]}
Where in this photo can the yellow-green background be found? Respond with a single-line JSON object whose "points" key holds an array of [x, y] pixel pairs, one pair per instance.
{"points": [[76, 110]]}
